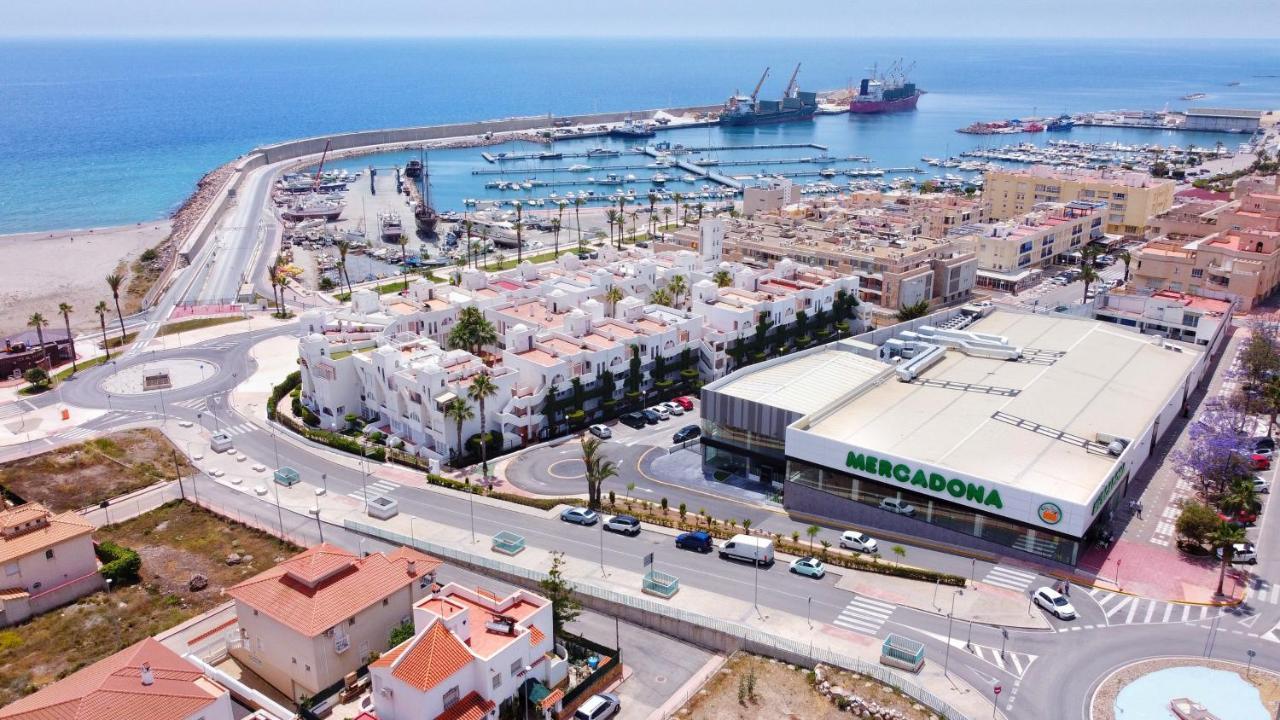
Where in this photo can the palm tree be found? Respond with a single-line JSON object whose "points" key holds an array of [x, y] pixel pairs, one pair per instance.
{"points": [[555, 232], [274, 276], [1125, 258], [1087, 276], [653, 200], [459, 412], [65, 310], [677, 287], [913, 311], [113, 281], [723, 278], [666, 217], [598, 469], [482, 388], [679, 218], [635, 216], [621, 219], [660, 297], [560, 206], [611, 219], [284, 283], [612, 296], [485, 246], [343, 247], [519, 236], [577, 219], [38, 322], [701, 206], [1224, 538], [101, 309]]}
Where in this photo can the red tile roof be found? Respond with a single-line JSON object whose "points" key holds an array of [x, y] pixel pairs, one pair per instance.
{"points": [[471, 707], [428, 659], [535, 635], [112, 688], [551, 700], [324, 585], [57, 529]]}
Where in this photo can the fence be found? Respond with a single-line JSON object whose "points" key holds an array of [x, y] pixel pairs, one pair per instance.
{"points": [[675, 621]]}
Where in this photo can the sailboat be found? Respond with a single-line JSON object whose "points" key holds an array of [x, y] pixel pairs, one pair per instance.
{"points": [[424, 215]]}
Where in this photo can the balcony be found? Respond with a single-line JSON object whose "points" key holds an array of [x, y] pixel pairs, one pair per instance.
{"points": [[341, 643]]}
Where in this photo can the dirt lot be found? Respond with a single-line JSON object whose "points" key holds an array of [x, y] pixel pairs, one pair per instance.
{"points": [[176, 542], [88, 473], [785, 692]]}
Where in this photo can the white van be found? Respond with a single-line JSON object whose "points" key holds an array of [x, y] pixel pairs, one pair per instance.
{"points": [[220, 442], [749, 549]]}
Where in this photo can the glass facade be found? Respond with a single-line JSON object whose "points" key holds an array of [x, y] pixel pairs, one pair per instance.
{"points": [[733, 451], [936, 511]]}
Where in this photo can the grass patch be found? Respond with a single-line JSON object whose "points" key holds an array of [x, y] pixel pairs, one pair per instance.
{"points": [[85, 474], [66, 372], [175, 542], [115, 341], [345, 353], [196, 324]]}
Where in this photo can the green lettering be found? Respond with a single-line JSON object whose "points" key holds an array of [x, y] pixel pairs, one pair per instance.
{"points": [[855, 461], [901, 473], [919, 479], [975, 493], [955, 487], [993, 499], [886, 468], [937, 483]]}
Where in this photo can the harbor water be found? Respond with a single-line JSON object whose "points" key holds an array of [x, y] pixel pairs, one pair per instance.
{"points": [[113, 132]]}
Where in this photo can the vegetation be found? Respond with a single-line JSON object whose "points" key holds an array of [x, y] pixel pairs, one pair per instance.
{"points": [[472, 332], [113, 281], [401, 632], [120, 565], [598, 469], [482, 388], [913, 311], [565, 608], [101, 310]]}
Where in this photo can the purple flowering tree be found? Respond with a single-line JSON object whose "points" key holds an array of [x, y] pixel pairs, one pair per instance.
{"points": [[1212, 458]]}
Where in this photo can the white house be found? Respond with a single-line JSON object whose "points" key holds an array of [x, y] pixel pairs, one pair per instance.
{"points": [[48, 561]]}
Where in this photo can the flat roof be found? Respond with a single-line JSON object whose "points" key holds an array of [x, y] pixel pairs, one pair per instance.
{"points": [[1109, 381], [806, 383]]}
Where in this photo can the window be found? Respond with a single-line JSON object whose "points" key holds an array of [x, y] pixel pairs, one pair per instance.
{"points": [[451, 697], [11, 569], [351, 621], [515, 667], [1195, 272], [497, 680], [48, 554], [384, 602]]}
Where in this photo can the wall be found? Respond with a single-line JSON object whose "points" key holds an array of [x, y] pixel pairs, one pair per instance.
{"points": [[72, 560]]}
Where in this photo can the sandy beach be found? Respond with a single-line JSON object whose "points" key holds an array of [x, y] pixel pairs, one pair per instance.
{"points": [[43, 269]]}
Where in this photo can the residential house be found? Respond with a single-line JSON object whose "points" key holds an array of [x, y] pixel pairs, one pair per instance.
{"points": [[48, 561]]}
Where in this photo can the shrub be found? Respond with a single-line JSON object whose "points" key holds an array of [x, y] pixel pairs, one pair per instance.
{"points": [[36, 376], [291, 381], [148, 255], [401, 632], [492, 441], [120, 564]]}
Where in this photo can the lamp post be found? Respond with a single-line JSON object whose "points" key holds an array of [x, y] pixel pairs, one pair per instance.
{"points": [[319, 525], [324, 481], [950, 616], [1004, 636], [364, 480], [195, 473], [808, 615]]}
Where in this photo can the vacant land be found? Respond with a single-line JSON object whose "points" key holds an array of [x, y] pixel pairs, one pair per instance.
{"points": [[85, 474], [176, 542], [750, 687]]}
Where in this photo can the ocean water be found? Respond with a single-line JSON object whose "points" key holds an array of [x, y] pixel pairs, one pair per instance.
{"points": [[111, 132]]}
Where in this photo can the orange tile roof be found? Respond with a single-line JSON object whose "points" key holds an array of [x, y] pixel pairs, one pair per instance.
{"points": [[324, 585], [112, 688], [551, 700], [60, 528], [535, 635], [430, 658], [471, 707]]}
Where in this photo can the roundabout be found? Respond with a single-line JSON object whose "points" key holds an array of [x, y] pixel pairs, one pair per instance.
{"points": [[1149, 689], [568, 469], [158, 375]]}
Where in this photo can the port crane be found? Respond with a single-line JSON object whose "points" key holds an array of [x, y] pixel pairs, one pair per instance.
{"points": [[791, 85], [315, 184], [759, 85]]}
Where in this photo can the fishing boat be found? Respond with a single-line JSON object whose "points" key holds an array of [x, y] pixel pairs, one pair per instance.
{"points": [[579, 168], [602, 152], [1188, 709], [413, 169], [391, 227], [632, 129], [1195, 96], [314, 206], [659, 179]]}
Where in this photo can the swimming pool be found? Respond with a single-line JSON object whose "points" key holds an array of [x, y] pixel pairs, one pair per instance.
{"points": [[1223, 693]]}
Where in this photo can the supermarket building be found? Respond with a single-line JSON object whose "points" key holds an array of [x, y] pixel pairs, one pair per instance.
{"points": [[1000, 431]]}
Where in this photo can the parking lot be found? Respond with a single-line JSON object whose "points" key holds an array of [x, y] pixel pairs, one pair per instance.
{"points": [[1059, 287]]}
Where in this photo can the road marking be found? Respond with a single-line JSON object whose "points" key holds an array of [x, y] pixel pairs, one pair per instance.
{"points": [[1133, 607], [1167, 610], [1009, 578], [864, 615], [1117, 607]]}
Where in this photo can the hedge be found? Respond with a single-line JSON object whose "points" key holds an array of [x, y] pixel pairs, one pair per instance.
{"points": [[291, 381], [120, 564], [332, 439]]}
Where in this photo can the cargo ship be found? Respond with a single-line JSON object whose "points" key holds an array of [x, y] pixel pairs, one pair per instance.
{"points": [[888, 94], [750, 110]]}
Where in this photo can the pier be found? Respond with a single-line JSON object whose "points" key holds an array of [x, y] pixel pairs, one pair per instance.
{"points": [[504, 157], [705, 163]]}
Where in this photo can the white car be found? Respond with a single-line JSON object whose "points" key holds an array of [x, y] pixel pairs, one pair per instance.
{"points": [[601, 431], [854, 540], [810, 566], [661, 412], [1243, 552], [1055, 603], [898, 506], [673, 408], [1261, 485]]}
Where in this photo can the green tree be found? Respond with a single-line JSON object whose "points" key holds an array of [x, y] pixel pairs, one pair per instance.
{"points": [[913, 311], [1088, 276], [660, 297], [577, 219], [722, 278], [472, 331], [812, 531], [482, 388], [65, 310], [677, 286], [519, 232], [101, 309], [400, 633], [37, 377], [611, 219], [459, 412], [113, 281], [1197, 522], [1125, 257], [678, 197], [598, 469], [612, 296], [343, 248], [565, 607], [39, 322]]}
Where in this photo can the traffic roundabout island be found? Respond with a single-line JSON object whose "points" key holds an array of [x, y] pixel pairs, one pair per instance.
{"points": [[569, 469], [1151, 689], [159, 375]]}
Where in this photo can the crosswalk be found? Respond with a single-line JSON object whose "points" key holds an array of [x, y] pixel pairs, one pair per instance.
{"points": [[1004, 577], [1016, 664], [376, 488], [864, 615], [1121, 609], [15, 409], [239, 429], [76, 435], [1262, 591], [195, 403]]}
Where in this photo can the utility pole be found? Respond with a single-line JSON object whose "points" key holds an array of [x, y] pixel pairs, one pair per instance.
{"points": [[950, 616], [177, 472]]}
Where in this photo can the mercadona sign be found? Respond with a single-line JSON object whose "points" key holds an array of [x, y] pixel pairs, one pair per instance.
{"points": [[961, 490]]}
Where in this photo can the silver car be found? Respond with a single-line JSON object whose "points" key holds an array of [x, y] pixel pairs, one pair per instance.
{"points": [[598, 707]]}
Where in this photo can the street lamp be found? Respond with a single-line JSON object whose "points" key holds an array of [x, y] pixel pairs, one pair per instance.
{"points": [[808, 616], [950, 616], [364, 481], [1004, 636], [319, 525]]}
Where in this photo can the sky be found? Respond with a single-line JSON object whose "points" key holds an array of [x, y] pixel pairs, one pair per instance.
{"points": [[646, 18]]}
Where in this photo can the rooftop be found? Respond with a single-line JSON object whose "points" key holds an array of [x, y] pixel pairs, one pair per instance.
{"points": [[1108, 381], [804, 383], [33, 527], [1125, 178]]}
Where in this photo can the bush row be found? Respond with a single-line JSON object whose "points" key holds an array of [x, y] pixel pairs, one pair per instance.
{"points": [[291, 381], [120, 564]]}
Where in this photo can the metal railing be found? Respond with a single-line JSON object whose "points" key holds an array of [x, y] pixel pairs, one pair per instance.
{"points": [[750, 638]]}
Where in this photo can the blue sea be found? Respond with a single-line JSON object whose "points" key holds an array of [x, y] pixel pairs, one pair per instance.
{"points": [[97, 133]]}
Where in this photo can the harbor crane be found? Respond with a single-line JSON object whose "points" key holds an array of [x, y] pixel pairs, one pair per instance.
{"points": [[315, 184], [759, 85], [791, 86]]}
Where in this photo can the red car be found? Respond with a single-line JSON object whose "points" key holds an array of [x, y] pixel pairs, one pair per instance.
{"points": [[1259, 462], [684, 401]]}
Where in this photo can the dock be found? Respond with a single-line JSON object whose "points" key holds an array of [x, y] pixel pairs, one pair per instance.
{"points": [[704, 163], [504, 157]]}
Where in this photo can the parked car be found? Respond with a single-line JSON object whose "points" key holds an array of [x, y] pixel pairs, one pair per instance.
{"points": [[810, 566], [684, 401], [634, 420], [1257, 461], [854, 540], [686, 433], [601, 431], [623, 525], [598, 707], [1055, 603], [748, 548], [672, 408], [1261, 484], [661, 412], [1243, 552], [651, 417], [579, 515], [697, 540], [1243, 517], [898, 506], [1264, 445]]}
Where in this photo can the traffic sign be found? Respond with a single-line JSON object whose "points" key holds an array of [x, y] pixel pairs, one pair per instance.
{"points": [[648, 560], [998, 689]]}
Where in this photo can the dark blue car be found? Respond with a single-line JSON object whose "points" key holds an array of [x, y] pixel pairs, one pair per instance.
{"points": [[697, 540]]}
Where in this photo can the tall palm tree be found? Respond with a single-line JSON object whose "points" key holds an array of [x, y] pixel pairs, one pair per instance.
{"points": [[1124, 257], [677, 287], [482, 388], [560, 206], [113, 281], [519, 233], [611, 219], [284, 283], [577, 219], [485, 246], [635, 217], [65, 310], [101, 309], [459, 412], [679, 218], [38, 322], [701, 206], [660, 297], [273, 274], [1225, 538], [343, 247], [723, 278], [612, 296], [622, 218], [1087, 276], [598, 469], [653, 200]]}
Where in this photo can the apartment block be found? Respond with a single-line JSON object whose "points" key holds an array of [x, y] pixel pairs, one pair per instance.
{"points": [[1008, 249], [1132, 198]]}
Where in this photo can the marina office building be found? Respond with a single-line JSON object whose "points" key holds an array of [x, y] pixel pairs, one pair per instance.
{"points": [[1132, 197], [994, 430]]}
